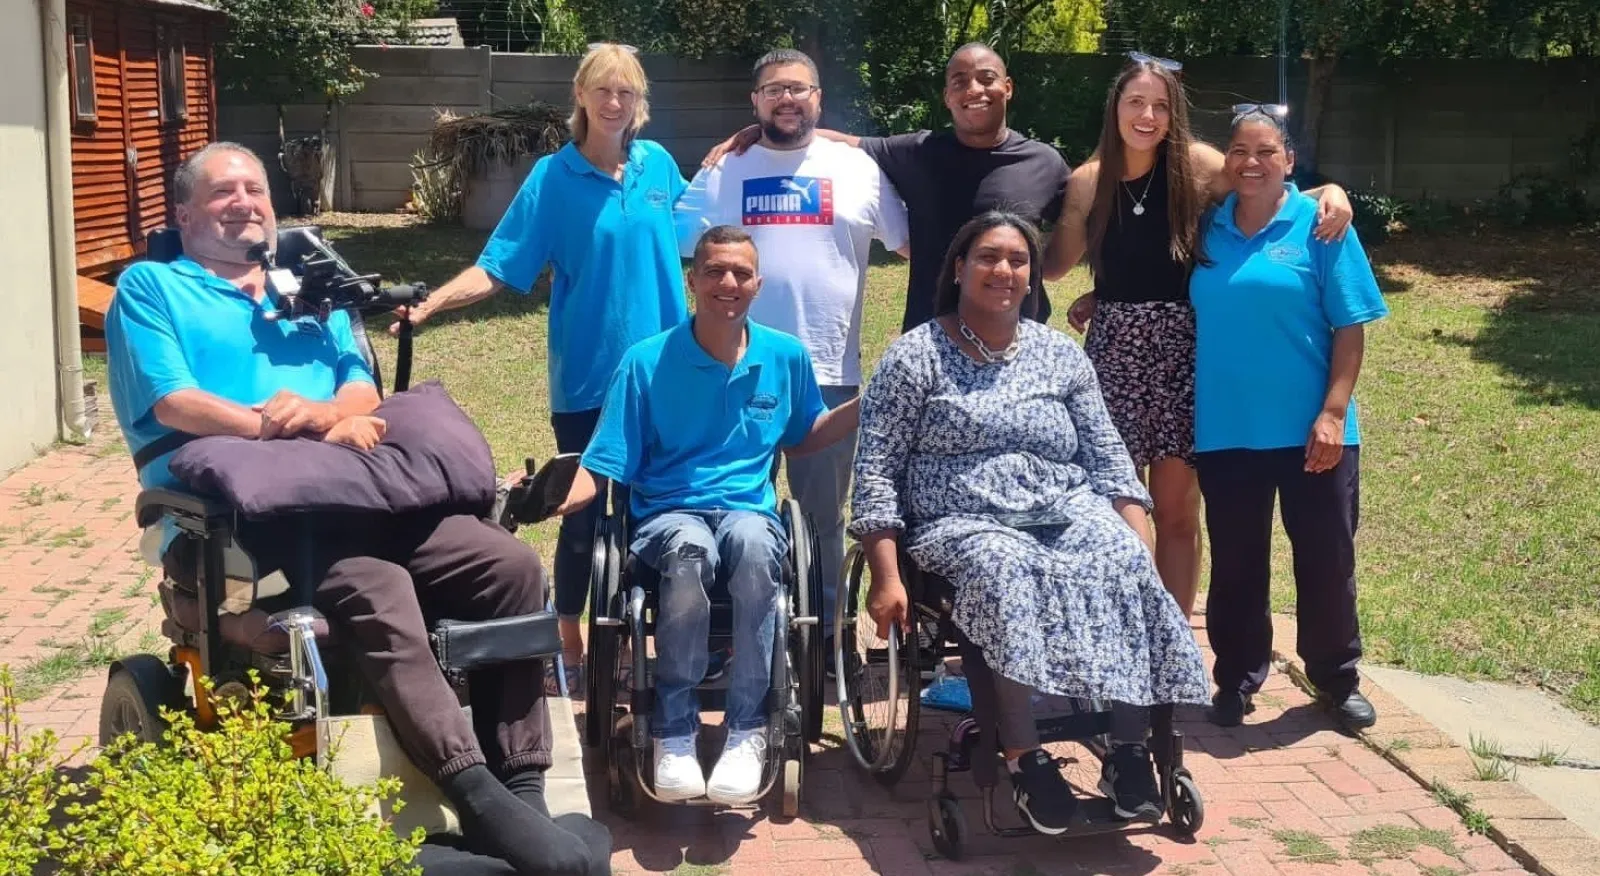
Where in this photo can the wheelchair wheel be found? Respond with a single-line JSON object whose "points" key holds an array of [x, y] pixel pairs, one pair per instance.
{"points": [[605, 642], [1188, 809], [807, 602], [138, 688], [878, 681], [947, 824]]}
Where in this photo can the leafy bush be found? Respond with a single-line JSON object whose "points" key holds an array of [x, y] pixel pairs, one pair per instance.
{"points": [[1539, 200], [233, 801], [29, 786], [1375, 215]]}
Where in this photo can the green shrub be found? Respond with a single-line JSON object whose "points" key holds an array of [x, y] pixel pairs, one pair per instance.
{"points": [[1375, 215], [29, 786], [233, 801]]}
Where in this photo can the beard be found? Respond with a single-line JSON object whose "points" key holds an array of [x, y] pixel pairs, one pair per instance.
{"points": [[770, 129]]}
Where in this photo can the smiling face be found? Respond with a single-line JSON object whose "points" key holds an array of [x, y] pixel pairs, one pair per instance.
{"points": [[229, 210], [787, 120], [995, 272], [976, 91], [724, 281], [1257, 160], [609, 105], [1144, 112]]}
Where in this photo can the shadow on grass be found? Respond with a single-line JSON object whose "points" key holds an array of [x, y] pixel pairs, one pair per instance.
{"points": [[1542, 294]]}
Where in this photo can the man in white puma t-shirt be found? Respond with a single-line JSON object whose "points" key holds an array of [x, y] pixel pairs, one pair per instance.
{"points": [[813, 207]]}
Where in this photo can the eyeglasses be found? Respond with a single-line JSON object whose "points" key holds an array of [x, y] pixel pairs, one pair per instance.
{"points": [[777, 90], [1168, 63], [632, 50]]}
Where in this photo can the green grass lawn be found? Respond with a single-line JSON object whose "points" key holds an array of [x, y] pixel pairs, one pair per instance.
{"points": [[1480, 403]]}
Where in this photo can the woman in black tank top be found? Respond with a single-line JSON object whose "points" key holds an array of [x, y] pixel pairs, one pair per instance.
{"points": [[1133, 209]]}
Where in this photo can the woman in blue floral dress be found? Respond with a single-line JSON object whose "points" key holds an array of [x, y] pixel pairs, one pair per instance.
{"points": [[986, 447]]}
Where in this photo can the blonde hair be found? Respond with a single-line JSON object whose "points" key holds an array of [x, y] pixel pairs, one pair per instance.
{"points": [[608, 62]]}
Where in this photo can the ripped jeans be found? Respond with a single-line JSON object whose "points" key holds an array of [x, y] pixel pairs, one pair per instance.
{"points": [[693, 551]]}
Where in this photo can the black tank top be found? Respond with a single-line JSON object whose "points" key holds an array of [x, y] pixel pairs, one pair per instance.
{"points": [[1136, 254]]}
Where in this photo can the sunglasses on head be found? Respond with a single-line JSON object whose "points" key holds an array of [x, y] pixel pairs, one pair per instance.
{"points": [[1167, 63], [632, 50], [1276, 111]]}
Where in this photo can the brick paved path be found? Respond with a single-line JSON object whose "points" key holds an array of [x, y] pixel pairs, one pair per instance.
{"points": [[1284, 794]]}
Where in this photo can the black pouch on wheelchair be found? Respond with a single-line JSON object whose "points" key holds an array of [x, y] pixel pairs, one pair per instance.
{"points": [[463, 646]]}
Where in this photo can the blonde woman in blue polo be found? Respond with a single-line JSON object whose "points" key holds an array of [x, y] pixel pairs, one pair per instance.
{"points": [[598, 213], [1280, 321]]}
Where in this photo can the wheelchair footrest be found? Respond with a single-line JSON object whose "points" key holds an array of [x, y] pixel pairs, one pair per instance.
{"points": [[463, 646]]}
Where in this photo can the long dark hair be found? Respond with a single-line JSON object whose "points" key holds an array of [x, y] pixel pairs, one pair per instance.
{"points": [[1183, 194], [948, 293]]}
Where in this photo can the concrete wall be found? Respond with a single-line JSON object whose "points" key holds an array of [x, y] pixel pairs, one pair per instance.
{"points": [[694, 104], [1450, 129], [27, 332]]}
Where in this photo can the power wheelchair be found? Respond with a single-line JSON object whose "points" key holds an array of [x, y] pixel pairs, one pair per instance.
{"points": [[623, 595], [231, 622], [879, 680]]}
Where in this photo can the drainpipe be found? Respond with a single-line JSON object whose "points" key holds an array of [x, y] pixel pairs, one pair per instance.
{"points": [[74, 422]]}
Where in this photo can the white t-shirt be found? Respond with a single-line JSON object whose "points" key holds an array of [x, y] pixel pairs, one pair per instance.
{"points": [[813, 213]]}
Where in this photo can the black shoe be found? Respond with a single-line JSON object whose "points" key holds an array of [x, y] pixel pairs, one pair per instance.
{"points": [[1354, 711], [717, 664], [1228, 708], [1128, 779], [1042, 794]]}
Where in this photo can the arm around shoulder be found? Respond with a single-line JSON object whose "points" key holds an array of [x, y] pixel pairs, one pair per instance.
{"points": [[1069, 242]]}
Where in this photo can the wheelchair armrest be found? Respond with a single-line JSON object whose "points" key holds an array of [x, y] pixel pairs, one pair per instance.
{"points": [[462, 646], [191, 511]]}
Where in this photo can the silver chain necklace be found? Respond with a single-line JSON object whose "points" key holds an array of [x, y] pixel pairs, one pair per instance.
{"points": [[1138, 205], [990, 356]]}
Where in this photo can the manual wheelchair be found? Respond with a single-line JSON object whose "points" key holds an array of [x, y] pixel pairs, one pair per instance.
{"points": [[879, 680], [233, 621], [623, 596]]}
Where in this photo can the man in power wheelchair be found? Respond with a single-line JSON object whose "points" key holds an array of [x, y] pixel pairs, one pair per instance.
{"points": [[990, 479], [227, 339], [692, 424]]}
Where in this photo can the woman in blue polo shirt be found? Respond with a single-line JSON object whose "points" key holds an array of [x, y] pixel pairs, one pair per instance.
{"points": [[1279, 324], [598, 213]]}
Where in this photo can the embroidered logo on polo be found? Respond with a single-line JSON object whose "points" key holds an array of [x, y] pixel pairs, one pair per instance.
{"points": [[788, 200], [762, 406], [1285, 253]]}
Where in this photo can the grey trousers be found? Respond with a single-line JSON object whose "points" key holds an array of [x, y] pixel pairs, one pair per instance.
{"points": [[820, 482]]}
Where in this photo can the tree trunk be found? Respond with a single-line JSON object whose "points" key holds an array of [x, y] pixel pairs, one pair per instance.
{"points": [[1318, 87]]}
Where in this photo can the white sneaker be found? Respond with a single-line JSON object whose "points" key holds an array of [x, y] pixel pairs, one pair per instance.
{"points": [[736, 780], [678, 773]]}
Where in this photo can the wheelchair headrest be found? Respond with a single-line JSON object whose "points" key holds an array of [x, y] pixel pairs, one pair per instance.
{"points": [[165, 244]]}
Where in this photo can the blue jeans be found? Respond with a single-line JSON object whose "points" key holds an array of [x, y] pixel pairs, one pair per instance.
{"points": [[575, 540], [694, 551]]}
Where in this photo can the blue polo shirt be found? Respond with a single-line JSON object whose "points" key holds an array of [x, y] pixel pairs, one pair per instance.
{"points": [[176, 325], [687, 433], [616, 278], [1266, 310]]}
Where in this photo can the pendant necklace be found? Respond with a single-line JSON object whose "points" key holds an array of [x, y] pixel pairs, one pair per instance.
{"points": [[1138, 205]]}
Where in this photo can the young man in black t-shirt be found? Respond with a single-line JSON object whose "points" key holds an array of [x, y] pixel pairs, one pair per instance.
{"points": [[948, 177]]}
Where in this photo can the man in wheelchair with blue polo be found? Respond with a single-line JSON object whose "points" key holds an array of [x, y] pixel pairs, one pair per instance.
{"points": [[692, 423], [196, 348]]}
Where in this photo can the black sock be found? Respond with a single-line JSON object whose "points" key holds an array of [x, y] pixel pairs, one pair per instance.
{"points": [[528, 784], [594, 835], [498, 824]]}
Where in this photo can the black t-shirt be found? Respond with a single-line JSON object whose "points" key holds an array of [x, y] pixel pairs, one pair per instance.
{"points": [[944, 184], [1136, 256]]}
